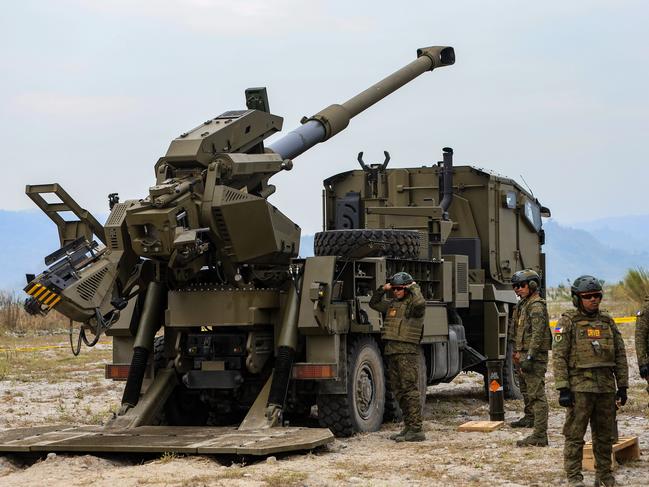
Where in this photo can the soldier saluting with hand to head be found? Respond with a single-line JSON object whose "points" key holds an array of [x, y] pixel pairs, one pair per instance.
{"points": [[402, 331], [591, 374]]}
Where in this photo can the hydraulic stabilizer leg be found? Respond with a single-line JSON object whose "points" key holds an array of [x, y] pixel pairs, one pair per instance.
{"points": [[286, 346], [150, 321], [267, 409]]}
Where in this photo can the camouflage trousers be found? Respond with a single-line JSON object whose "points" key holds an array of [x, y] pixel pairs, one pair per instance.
{"points": [[403, 381], [532, 386], [598, 409]]}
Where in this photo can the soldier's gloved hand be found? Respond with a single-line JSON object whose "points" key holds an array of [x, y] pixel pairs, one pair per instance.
{"points": [[644, 371], [621, 396], [566, 398], [527, 364]]}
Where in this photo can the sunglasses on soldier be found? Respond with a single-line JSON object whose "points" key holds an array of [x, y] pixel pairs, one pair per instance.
{"points": [[588, 296], [398, 288], [519, 285]]}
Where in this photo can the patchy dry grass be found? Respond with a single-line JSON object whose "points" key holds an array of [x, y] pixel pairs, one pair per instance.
{"points": [[14, 320], [285, 478], [32, 359], [232, 473]]}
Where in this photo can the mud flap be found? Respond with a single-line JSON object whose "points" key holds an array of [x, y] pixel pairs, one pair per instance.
{"points": [[192, 440]]}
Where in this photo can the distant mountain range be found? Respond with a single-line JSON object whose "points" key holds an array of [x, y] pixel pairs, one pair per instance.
{"points": [[606, 248], [603, 248]]}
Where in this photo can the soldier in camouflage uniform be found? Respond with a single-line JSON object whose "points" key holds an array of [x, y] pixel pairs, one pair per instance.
{"points": [[642, 340], [531, 339], [591, 374], [402, 331]]}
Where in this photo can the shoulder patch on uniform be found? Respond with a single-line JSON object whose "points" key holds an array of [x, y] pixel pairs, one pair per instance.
{"points": [[558, 337], [558, 328], [571, 313]]}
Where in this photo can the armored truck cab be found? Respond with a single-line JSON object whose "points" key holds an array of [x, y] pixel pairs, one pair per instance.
{"points": [[475, 230]]}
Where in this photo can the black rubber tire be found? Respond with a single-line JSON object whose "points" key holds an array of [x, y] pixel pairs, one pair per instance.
{"points": [[400, 244], [423, 383], [361, 409], [392, 411], [159, 360], [511, 386]]}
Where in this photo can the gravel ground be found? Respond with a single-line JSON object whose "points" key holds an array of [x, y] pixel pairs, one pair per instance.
{"points": [[445, 458]]}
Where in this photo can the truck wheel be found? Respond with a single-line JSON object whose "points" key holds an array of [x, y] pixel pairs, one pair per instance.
{"points": [[392, 410], [361, 409], [401, 244]]}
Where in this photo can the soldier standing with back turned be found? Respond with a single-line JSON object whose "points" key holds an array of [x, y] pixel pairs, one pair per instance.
{"points": [[531, 338], [642, 340], [402, 331], [589, 364]]}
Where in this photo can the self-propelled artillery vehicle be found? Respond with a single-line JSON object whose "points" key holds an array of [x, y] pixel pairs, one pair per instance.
{"points": [[215, 321]]}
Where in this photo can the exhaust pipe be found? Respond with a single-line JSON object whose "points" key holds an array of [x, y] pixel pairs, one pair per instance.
{"points": [[446, 181]]}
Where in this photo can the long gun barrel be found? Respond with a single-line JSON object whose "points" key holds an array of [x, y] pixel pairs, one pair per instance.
{"points": [[335, 118]]}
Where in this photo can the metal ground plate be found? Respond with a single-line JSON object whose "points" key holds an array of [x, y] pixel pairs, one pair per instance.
{"points": [[189, 440]]}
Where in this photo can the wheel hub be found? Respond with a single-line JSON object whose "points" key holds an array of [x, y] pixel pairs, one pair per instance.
{"points": [[365, 391]]}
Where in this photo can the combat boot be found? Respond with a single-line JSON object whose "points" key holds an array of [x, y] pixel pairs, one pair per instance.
{"points": [[400, 433], [411, 435], [524, 422], [576, 482], [608, 482], [533, 440]]}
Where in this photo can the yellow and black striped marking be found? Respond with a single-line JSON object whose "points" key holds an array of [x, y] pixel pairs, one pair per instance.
{"points": [[44, 296]]}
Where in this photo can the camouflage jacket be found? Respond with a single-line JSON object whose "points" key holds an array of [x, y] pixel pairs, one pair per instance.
{"points": [[642, 334], [412, 308], [530, 330], [588, 353]]}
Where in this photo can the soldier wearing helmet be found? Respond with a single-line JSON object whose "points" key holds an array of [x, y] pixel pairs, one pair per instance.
{"points": [[531, 338], [591, 374], [402, 330]]}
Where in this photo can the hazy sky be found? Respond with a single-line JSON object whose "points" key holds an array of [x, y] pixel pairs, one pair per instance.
{"points": [[91, 93]]}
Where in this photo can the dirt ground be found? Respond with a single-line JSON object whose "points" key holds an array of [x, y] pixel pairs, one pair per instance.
{"points": [[45, 384]]}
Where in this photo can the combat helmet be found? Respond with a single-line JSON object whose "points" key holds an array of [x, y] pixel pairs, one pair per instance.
{"points": [[530, 276], [584, 284], [401, 279]]}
